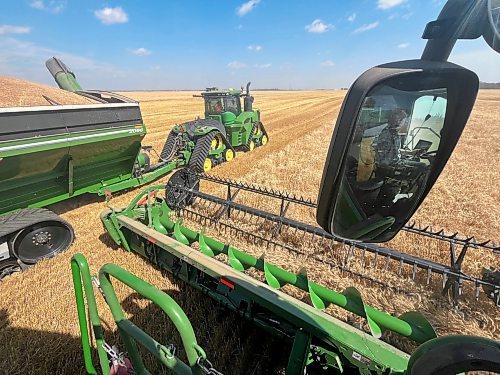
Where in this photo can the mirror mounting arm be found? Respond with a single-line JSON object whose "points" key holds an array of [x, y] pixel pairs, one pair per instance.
{"points": [[459, 19]]}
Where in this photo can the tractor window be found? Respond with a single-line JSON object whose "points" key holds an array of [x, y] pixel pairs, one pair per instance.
{"points": [[214, 106], [233, 104]]}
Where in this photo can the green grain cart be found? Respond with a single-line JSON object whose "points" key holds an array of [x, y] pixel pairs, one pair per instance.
{"points": [[52, 153], [225, 129]]}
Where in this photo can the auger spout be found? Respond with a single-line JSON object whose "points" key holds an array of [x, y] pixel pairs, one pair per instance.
{"points": [[64, 77]]}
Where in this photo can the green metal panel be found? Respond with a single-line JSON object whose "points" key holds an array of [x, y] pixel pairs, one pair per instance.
{"points": [[48, 154], [32, 177]]}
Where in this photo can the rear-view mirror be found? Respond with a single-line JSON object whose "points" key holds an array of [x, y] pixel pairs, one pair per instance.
{"points": [[396, 130]]}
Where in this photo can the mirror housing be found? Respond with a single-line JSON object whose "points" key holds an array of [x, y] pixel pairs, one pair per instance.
{"points": [[458, 85], [491, 33]]}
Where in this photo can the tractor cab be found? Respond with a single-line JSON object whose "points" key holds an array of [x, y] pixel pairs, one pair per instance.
{"points": [[219, 101]]}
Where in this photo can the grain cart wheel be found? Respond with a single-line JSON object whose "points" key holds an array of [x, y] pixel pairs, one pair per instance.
{"points": [[200, 158], [8, 267], [42, 240]]}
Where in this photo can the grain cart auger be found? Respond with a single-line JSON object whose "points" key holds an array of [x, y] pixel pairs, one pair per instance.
{"points": [[374, 179], [225, 129], [56, 152]]}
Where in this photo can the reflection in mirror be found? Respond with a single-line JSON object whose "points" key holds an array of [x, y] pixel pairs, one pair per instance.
{"points": [[396, 138]]}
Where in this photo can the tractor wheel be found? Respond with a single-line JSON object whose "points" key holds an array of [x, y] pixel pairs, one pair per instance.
{"points": [[8, 267], [251, 146], [228, 154], [207, 165], [200, 161], [263, 140], [168, 151], [42, 240]]}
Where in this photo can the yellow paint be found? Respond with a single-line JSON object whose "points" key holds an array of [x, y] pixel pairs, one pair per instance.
{"points": [[229, 154], [207, 165]]}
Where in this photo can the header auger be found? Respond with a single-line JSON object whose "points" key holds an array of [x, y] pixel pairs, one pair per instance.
{"points": [[226, 128]]}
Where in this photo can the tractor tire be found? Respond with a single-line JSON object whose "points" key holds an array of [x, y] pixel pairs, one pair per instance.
{"points": [[198, 162], [250, 145], [262, 133], [168, 148]]}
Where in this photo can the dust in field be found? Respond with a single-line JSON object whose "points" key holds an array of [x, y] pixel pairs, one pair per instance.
{"points": [[37, 307]]}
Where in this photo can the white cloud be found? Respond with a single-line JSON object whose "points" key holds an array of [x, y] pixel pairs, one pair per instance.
{"points": [[109, 16], [262, 66], [141, 52], [26, 60], [403, 45], [246, 7], [239, 27], [53, 6], [388, 4], [236, 65], [255, 48], [366, 27], [327, 63], [317, 26], [10, 29], [352, 17]]}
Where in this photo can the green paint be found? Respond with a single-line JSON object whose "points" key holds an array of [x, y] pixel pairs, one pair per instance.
{"points": [[131, 334]]}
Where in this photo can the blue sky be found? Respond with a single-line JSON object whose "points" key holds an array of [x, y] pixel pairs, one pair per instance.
{"points": [[294, 44]]}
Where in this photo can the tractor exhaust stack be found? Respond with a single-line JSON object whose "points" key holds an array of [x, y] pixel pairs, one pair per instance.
{"points": [[248, 101]]}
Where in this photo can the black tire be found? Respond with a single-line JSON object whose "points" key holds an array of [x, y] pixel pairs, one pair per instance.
{"points": [[246, 147], [448, 355], [176, 198], [168, 147], [42, 240], [201, 152], [8, 267]]}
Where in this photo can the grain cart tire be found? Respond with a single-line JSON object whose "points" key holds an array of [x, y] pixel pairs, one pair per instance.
{"points": [[44, 239], [168, 151], [8, 267], [200, 161]]}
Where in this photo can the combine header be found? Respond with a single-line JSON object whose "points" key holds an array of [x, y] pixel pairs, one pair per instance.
{"points": [[398, 126], [224, 130]]}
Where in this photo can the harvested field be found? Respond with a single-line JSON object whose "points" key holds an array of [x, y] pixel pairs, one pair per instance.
{"points": [[38, 326]]}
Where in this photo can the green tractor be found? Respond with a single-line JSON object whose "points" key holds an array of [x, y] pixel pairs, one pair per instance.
{"points": [[225, 129]]}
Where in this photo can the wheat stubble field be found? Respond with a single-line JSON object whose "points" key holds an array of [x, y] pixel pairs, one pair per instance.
{"points": [[38, 327]]}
